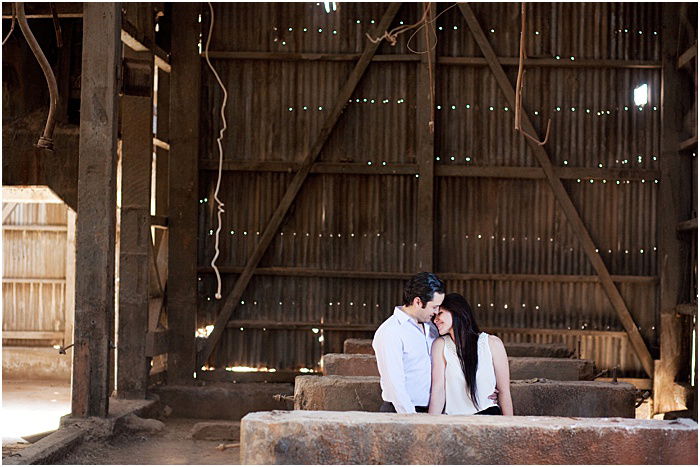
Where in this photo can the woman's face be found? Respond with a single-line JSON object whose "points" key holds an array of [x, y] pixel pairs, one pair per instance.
{"points": [[443, 321]]}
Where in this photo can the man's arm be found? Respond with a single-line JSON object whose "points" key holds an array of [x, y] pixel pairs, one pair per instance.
{"points": [[389, 353]]}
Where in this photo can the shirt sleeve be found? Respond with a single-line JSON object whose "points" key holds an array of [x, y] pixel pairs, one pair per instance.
{"points": [[389, 352]]}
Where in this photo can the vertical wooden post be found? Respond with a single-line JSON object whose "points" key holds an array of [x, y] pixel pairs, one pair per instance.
{"points": [[135, 246], [69, 319], [673, 205], [183, 205], [94, 300], [425, 141]]}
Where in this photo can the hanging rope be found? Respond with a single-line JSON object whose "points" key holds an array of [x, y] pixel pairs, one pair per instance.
{"points": [[392, 35], [219, 204], [12, 26], [521, 82]]}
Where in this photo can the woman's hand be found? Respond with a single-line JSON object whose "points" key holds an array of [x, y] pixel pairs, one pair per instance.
{"points": [[500, 365]]}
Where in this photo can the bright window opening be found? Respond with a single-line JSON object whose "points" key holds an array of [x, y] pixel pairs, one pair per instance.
{"points": [[641, 95]]}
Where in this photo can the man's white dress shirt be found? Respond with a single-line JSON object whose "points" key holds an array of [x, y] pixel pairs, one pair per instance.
{"points": [[402, 346]]}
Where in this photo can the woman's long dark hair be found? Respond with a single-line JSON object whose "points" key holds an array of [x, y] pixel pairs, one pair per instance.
{"points": [[466, 333]]}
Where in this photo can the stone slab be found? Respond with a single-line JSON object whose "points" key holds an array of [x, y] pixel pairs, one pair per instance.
{"points": [[562, 369], [530, 397], [49, 449], [513, 349], [310, 437], [355, 346], [216, 431], [223, 401], [531, 349]]}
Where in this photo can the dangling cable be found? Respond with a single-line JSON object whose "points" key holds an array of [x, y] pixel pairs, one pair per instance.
{"points": [[12, 26], [219, 204]]}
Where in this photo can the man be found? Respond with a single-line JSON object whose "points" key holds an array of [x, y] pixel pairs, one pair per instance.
{"points": [[402, 345]]}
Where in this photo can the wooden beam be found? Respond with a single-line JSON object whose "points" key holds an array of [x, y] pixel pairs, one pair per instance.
{"points": [[185, 83], [221, 375], [29, 194], [94, 301], [376, 275], [157, 343], [135, 246], [688, 55], [7, 210], [463, 61], [673, 207], [346, 91], [689, 225], [42, 11], [33, 280], [563, 198], [425, 141], [33, 335], [688, 143], [690, 309], [355, 168], [36, 227], [69, 317]]}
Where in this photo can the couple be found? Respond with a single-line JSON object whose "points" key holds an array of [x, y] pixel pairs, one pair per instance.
{"points": [[446, 367]]}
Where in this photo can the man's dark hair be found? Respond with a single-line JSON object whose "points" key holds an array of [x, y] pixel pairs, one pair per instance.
{"points": [[423, 285]]}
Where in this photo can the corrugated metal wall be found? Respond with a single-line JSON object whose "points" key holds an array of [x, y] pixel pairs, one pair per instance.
{"points": [[367, 223]]}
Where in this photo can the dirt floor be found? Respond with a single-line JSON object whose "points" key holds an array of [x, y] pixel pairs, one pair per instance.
{"points": [[171, 446]]}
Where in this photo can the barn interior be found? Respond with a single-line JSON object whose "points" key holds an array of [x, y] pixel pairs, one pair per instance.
{"points": [[208, 209]]}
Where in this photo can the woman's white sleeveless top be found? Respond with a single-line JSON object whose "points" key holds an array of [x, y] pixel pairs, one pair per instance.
{"points": [[457, 400]]}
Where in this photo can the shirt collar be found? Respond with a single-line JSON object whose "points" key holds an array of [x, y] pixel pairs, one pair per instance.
{"points": [[403, 317]]}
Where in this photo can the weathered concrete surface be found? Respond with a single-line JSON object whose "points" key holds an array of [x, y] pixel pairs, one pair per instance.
{"points": [[123, 416], [534, 397], [35, 363], [355, 346], [227, 401], [519, 349], [531, 349], [218, 430], [561, 369], [309, 437], [360, 438]]}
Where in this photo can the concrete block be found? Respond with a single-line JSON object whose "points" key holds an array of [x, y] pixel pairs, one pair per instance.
{"points": [[229, 401], [534, 397], [513, 349], [531, 349], [562, 369], [216, 431], [35, 363], [343, 364], [310, 437], [363, 346]]}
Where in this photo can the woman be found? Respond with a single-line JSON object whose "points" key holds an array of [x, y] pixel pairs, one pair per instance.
{"points": [[467, 365]]}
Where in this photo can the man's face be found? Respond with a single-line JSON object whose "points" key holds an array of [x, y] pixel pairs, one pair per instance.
{"points": [[428, 310]]}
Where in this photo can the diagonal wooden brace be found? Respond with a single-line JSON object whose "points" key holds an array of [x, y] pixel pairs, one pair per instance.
{"points": [[348, 88], [563, 198]]}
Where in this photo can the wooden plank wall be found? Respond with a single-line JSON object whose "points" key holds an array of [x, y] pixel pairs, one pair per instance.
{"points": [[352, 236]]}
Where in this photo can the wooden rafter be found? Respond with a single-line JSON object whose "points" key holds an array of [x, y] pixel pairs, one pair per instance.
{"points": [[563, 198], [233, 298]]}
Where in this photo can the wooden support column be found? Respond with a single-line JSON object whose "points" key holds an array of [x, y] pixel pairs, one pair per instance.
{"points": [[674, 207], [233, 298], [562, 197], [425, 142], [94, 300], [135, 244], [182, 208], [70, 278]]}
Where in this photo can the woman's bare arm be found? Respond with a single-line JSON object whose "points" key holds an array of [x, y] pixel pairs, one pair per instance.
{"points": [[500, 365], [437, 386]]}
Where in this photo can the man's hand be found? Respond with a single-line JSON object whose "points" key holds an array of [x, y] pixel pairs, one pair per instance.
{"points": [[494, 396]]}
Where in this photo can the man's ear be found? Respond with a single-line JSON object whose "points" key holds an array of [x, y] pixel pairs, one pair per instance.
{"points": [[417, 302]]}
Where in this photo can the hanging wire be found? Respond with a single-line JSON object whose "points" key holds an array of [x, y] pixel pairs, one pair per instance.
{"points": [[12, 26], [521, 82], [219, 204]]}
